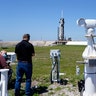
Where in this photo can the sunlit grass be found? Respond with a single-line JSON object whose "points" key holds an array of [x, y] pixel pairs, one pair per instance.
{"points": [[42, 64]]}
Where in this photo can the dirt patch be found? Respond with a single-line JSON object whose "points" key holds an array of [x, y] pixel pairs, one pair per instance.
{"points": [[55, 89]]}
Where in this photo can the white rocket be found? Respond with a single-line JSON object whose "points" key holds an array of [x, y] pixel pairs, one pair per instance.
{"points": [[61, 30]]}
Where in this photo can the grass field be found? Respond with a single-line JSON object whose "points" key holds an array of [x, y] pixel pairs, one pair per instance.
{"points": [[42, 64]]}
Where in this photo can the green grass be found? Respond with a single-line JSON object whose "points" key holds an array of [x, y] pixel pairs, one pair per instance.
{"points": [[69, 56], [42, 64]]}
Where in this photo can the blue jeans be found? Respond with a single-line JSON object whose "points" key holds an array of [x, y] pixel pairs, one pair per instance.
{"points": [[23, 68]]}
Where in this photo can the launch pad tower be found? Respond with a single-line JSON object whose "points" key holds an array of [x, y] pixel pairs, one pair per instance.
{"points": [[60, 34], [61, 30]]}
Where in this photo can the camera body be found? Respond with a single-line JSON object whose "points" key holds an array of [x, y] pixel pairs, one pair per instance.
{"points": [[87, 23], [11, 57], [54, 53]]}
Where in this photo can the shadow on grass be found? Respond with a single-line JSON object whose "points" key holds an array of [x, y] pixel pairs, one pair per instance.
{"points": [[11, 84], [35, 90], [39, 90]]}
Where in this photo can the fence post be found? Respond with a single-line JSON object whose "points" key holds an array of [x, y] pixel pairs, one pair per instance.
{"points": [[4, 81]]}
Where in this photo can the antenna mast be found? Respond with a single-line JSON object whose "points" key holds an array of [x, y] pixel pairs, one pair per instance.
{"points": [[62, 14]]}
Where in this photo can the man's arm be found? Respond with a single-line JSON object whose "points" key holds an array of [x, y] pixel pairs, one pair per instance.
{"points": [[33, 54], [3, 62], [33, 51]]}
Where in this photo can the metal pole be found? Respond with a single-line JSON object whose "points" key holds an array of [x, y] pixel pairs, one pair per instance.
{"points": [[55, 56], [4, 80], [89, 56]]}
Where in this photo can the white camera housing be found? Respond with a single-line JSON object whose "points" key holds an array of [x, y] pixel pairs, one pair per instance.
{"points": [[11, 56], [54, 53], [87, 23]]}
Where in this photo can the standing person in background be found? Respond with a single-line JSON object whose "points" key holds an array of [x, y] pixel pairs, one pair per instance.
{"points": [[3, 64], [24, 51]]}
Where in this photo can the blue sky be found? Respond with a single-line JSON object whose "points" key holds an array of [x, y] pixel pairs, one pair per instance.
{"points": [[40, 18]]}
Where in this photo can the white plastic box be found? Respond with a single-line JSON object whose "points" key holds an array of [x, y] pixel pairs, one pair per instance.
{"points": [[11, 56]]}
